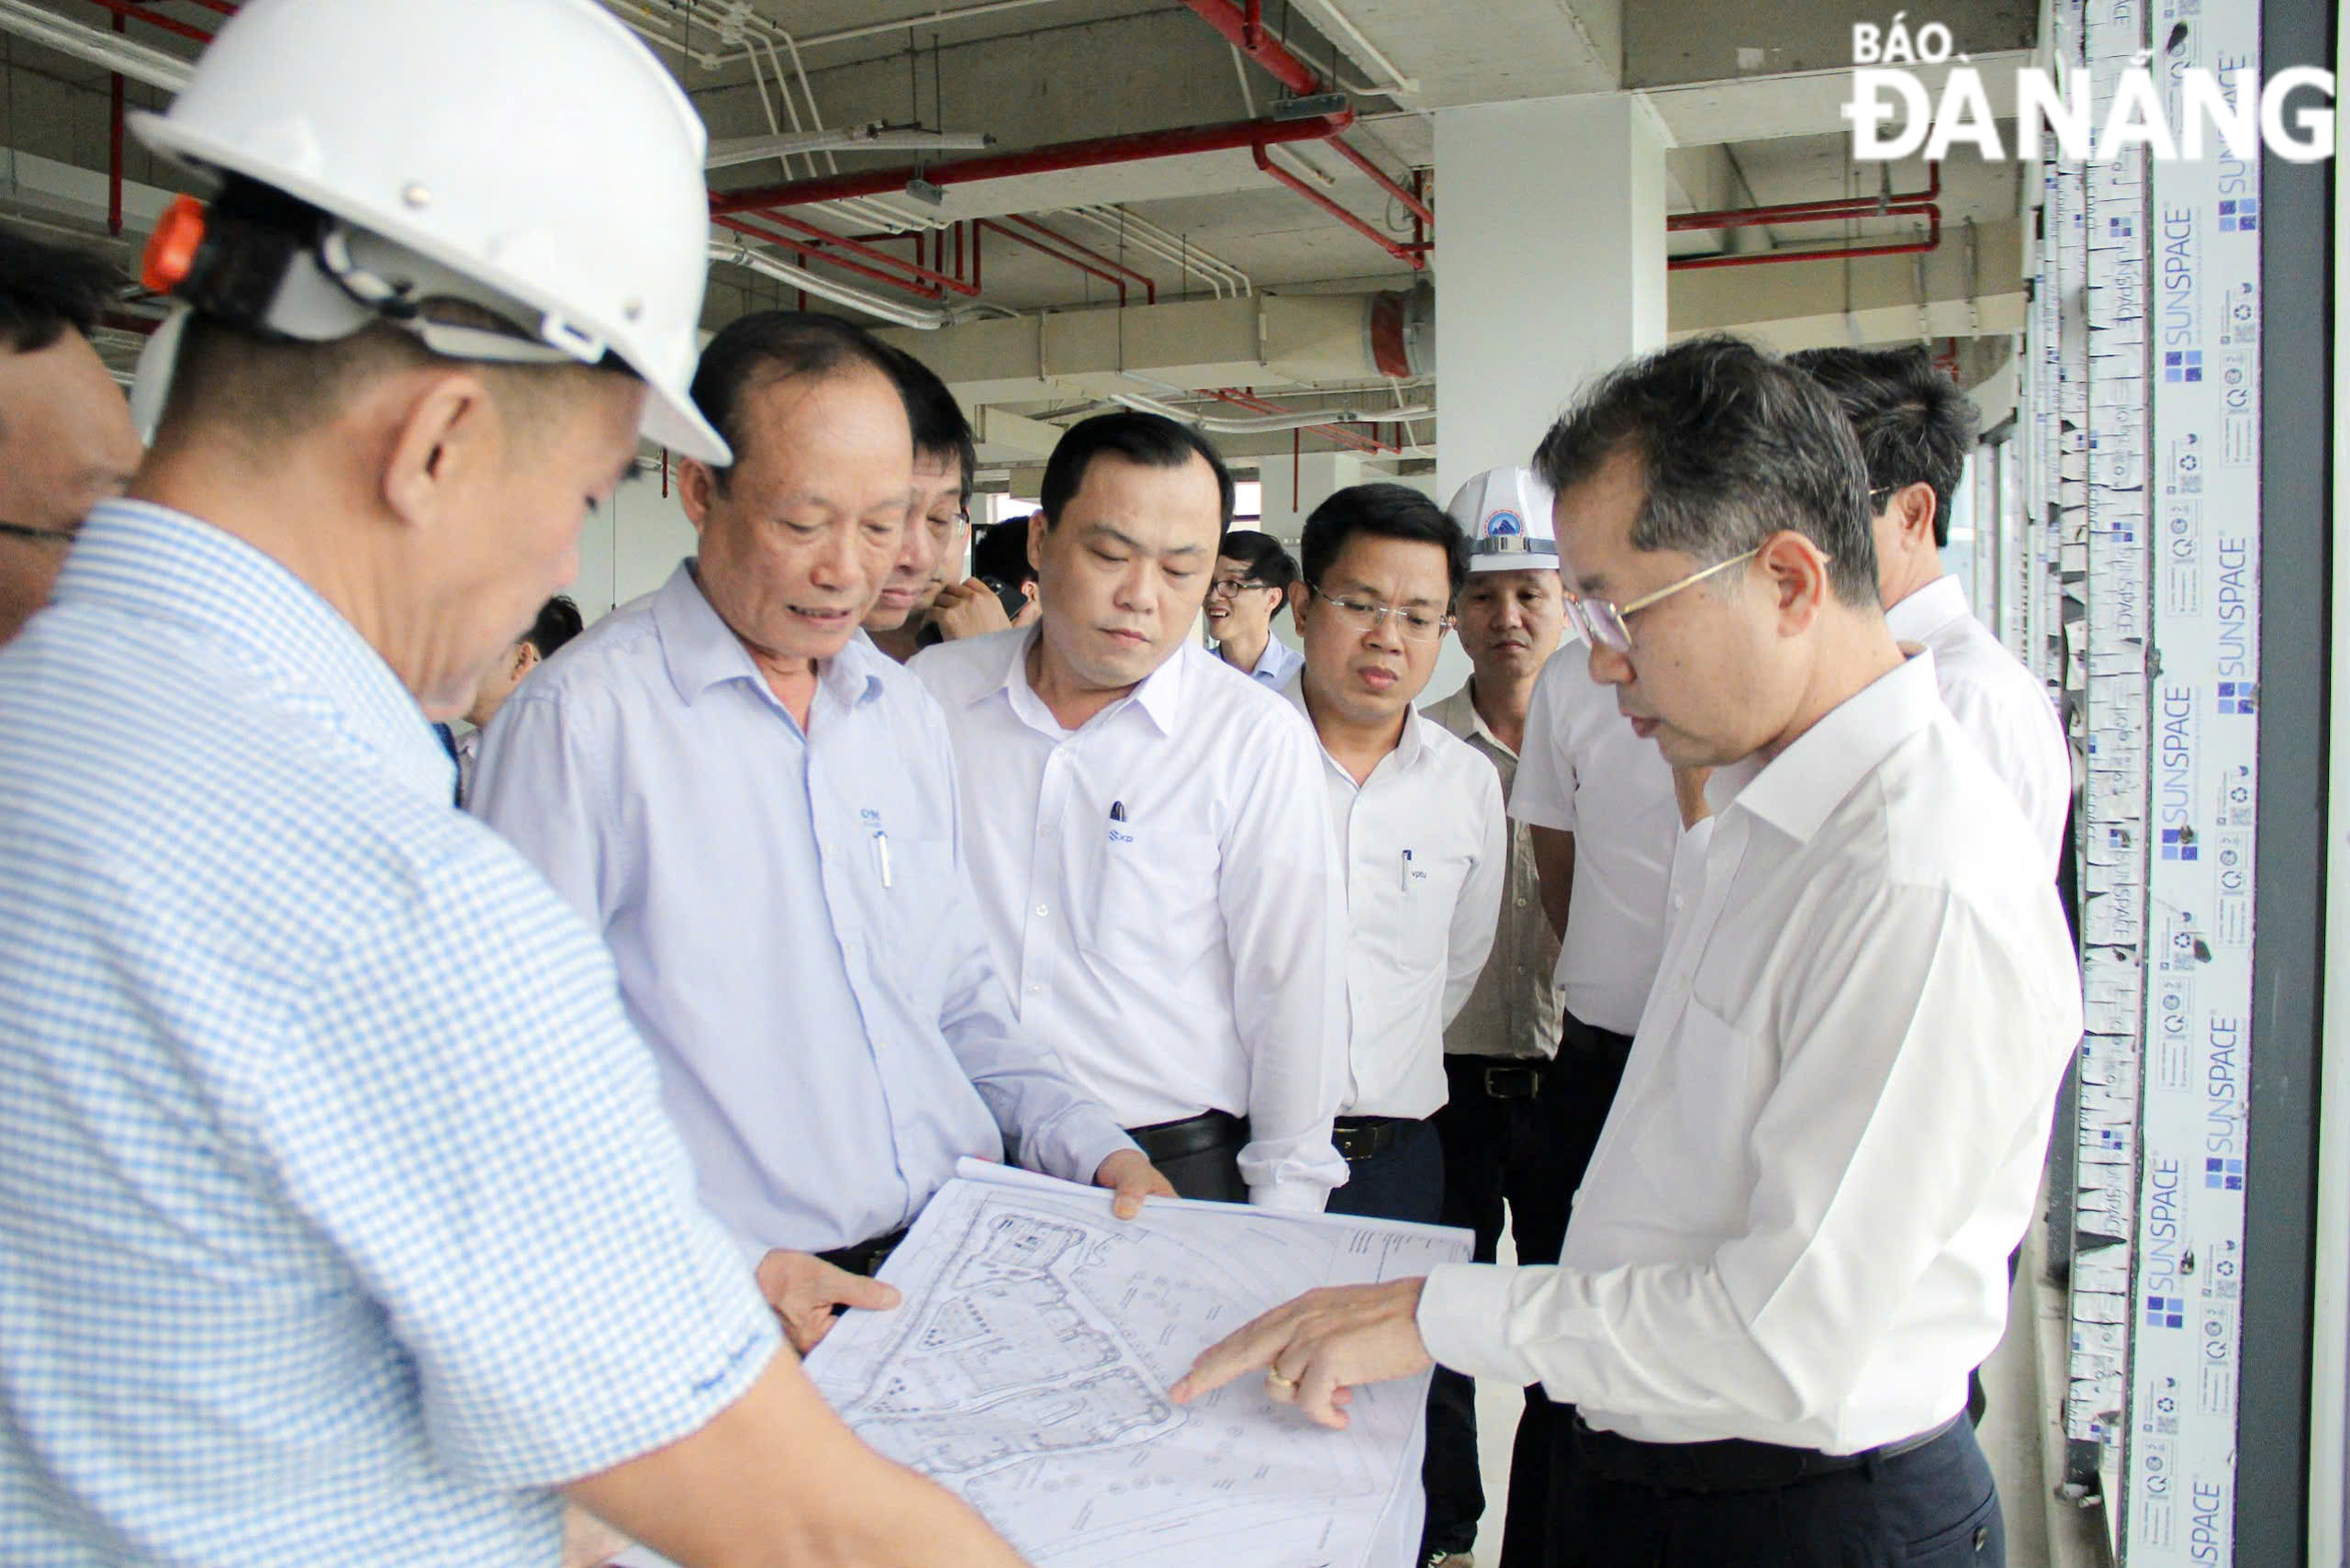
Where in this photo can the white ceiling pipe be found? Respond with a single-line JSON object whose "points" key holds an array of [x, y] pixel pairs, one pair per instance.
{"points": [[1217, 424], [135, 61], [1145, 235], [826, 287], [865, 137]]}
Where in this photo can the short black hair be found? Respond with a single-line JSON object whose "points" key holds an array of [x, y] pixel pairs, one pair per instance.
{"points": [[1734, 446], [940, 428], [779, 346], [558, 622], [1916, 427], [46, 288], [1000, 551], [1262, 553], [1384, 512], [1151, 440]]}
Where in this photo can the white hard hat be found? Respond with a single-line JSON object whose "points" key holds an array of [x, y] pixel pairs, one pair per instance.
{"points": [[1505, 512], [531, 156]]}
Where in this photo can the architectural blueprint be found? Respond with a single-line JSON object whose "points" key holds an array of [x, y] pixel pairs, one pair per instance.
{"points": [[1028, 1371]]}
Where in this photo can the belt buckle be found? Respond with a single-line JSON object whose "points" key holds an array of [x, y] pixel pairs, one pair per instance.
{"points": [[1355, 1142], [1526, 1083]]}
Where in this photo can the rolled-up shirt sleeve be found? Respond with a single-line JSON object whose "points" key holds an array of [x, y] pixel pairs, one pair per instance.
{"points": [[1282, 898], [1544, 794]]}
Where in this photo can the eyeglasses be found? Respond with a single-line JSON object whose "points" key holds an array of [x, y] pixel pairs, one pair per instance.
{"points": [[1606, 625], [44, 535], [1415, 625], [1221, 589]]}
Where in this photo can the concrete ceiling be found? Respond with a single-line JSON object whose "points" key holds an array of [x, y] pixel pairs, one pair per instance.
{"points": [[1748, 89]]}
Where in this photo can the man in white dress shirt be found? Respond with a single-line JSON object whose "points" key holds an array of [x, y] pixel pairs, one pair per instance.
{"points": [[1916, 428], [1146, 831], [1418, 817], [1790, 1249], [755, 808]]}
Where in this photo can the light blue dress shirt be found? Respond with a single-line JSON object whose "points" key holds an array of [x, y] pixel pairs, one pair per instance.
{"points": [[1277, 663], [338, 1216], [792, 917]]}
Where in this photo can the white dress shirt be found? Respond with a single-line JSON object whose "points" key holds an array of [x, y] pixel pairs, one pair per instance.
{"points": [[1160, 889], [2002, 706], [791, 917], [1796, 1224], [1426, 856], [1514, 1012], [1584, 771]]}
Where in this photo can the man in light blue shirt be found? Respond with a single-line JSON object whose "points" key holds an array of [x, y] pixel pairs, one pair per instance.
{"points": [[339, 1222], [756, 808]]}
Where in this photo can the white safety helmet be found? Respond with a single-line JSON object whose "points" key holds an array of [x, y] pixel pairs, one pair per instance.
{"points": [[1505, 512], [528, 156]]}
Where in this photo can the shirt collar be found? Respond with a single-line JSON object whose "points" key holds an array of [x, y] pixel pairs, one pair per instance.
{"points": [[1461, 708], [1159, 696], [701, 651], [1796, 791], [1928, 611], [1410, 745], [153, 563]]}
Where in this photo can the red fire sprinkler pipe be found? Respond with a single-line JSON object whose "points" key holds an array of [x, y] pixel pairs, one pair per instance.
{"points": [[807, 253], [1056, 158], [1246, 32], [124, 8], [1933, 241], [1017, 238], [114, 148], [826, 239], [1420, 210], [1149, 289], [1402, 253], [1820, 211]]}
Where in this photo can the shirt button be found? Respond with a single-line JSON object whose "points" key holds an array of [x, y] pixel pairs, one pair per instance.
{"points": [[1521, 903], [1035, 990], [1040, 912]]}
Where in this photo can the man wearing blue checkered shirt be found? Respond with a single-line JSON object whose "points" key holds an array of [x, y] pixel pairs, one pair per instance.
{"points": [[339, 1223]]}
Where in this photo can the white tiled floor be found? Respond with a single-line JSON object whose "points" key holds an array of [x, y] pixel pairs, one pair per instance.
{"points": [[2009, 1435]]}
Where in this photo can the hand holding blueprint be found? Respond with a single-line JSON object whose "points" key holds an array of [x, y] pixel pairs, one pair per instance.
{"points": [[1028, 1369]]}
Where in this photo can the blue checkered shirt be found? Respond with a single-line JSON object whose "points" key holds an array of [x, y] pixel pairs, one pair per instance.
{"points": [[339, 1218]]}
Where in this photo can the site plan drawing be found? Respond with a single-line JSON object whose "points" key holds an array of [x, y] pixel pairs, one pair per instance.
{"points": [[1028, 1368]]}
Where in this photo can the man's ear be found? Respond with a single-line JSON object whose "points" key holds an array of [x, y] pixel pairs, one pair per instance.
{"points": [[1913, 506], [1294, 597], [1036, 527], [697, 487], [1797, 569], [526, 657], [448, 436]]}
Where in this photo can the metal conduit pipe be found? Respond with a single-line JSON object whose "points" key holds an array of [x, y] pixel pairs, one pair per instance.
{"points": [[89, 45], [1092, 153], [736, 253], [1219, 424]]}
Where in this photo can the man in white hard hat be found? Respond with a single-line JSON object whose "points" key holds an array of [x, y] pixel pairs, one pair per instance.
{"points": [[339, 1219], [1506, 1124]]}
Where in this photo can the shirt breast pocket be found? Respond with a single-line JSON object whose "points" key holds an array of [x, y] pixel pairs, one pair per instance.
{"points": [[921, 887], [1697, 1141], [1431, 886], [1153, 899]]}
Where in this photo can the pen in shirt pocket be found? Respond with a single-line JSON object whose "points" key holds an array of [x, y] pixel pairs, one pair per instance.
{"points": [[882, 857], [1407, 872]]}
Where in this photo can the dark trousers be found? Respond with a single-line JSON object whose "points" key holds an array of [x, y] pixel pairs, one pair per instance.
{"points": [[1932, 1508], [1200, 1156], [1521, 1132], [1404, 1182]]}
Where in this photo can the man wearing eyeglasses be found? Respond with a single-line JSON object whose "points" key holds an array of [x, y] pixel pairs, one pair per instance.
{"points": [[66, 442], [1791, 1246], [1253, 580], [1418, 816]]}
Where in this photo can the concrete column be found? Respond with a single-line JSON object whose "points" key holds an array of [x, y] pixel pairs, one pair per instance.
{"points": [[1550, 267], [1294, 488]]}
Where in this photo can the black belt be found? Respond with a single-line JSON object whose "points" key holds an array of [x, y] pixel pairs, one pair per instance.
{"points": [[864, 1256], [1366, 1137], [1506, 1078], [1732, 1464], [1203, 1134], [1589, 1042]]}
